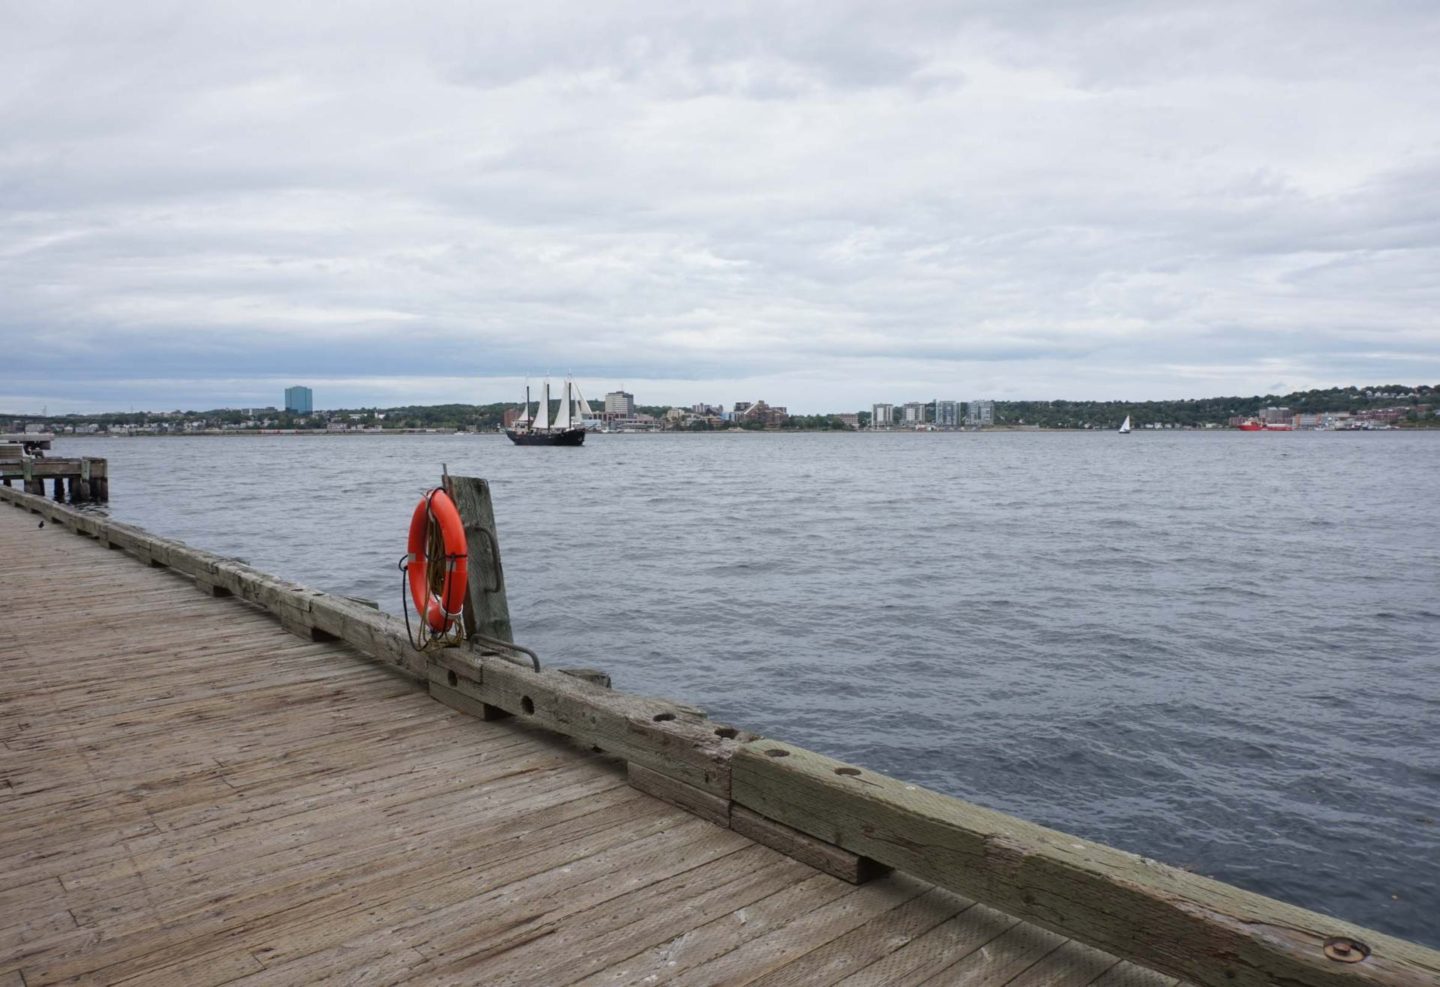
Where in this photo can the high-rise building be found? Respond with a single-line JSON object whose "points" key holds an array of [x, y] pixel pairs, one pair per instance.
{"points": [[947, 413], [620, 403], [882, 415], [915, 413], [299, 400], [980, 413]]}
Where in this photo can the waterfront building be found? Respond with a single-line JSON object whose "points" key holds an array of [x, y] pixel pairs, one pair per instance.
{"points": [[620, 403], [914, 413], [771, 417], [882, 415], [1276, 416], [947, 413], [980, 413], [850, 419], [299, 400]]}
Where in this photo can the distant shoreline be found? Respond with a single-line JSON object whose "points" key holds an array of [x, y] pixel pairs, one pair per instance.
{"points": [[995, 429]]}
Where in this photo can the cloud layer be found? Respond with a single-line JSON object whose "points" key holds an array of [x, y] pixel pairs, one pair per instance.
{"points": [[835, 203]]}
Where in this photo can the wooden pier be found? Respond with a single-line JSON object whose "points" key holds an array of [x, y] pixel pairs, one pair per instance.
{"points": [[76, 481], [191, 795]]}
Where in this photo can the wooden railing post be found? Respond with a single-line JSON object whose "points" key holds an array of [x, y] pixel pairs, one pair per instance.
{"points": [[487, 611]]}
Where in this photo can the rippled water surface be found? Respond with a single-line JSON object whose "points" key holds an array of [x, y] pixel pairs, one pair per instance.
{"points": [[1221, 650]]}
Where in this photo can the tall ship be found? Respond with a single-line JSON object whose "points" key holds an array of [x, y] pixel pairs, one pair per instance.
{"points": [[566, 430]]}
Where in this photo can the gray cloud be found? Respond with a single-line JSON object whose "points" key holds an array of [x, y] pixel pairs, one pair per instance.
{"points": [[837, 202]]}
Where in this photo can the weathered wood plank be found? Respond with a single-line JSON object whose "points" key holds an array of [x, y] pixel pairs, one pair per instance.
{"points": [[833, 860], [1177, 922], [932, 952], [802, 933], [1072, 965], [709, 807], [696, 947], [869, 943]]}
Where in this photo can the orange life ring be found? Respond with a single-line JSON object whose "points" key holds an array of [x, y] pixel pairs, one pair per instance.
{"points": [[438, 612]]}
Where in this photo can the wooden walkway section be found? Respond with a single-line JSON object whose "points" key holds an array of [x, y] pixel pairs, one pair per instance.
{"points": [[190, 795]]}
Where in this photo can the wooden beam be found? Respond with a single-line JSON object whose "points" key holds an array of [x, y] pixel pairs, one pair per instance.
{"points": [[847, 866], [694, 801], [1174, 921], [640, 729], [487, 611]]}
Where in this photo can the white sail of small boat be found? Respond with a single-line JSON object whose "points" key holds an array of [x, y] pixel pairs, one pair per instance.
{"points": [[1125, 426]]}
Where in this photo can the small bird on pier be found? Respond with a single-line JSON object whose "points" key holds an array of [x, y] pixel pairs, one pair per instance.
{"points": [[42, 524]]}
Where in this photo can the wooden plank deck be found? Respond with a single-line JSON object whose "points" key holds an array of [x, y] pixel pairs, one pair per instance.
{"points": [[190, 795]]}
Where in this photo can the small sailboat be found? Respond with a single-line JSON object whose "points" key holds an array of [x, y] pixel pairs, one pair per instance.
{"points": [[1125, 426], [565, 430]]}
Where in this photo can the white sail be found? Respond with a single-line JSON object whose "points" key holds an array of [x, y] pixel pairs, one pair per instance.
{"points": [[1125, 425], [542, 411], [561, 413], [585, 409]]}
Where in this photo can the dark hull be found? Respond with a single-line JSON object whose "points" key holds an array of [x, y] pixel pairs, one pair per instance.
{"points": [[569, 437]]}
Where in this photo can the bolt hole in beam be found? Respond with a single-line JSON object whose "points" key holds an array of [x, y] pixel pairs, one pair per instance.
{"points": [[729, 733], [851, 772], [1343, 949], [452, 678], [777, 752], [662, 717], [528, 705]]}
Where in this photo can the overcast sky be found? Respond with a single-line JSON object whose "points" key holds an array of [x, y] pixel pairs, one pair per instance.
{"points": [[818, 204]]}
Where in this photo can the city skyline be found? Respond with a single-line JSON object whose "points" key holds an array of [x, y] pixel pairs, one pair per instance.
{"points": [[817, 202]]}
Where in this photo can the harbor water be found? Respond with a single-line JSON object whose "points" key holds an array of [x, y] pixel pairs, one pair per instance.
{"points": [[1221, 650]]}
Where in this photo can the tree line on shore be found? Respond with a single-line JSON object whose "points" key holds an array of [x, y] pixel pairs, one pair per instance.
{"points": [[1192, 412]]}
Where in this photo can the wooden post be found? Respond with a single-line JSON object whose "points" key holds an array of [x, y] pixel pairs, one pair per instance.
{"points": [[487, 611], [59, 490], [99, 480]]}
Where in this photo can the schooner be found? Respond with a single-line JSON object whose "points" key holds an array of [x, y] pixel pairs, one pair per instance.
{"points": [[567, 428]]}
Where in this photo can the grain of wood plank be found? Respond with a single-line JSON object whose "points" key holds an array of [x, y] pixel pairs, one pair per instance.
{"points": [[1001, 960], [758, 957], [1127, 974], [380, 958], [1072, 965], [869, 943], [931, 952], [696, 946], [579, 942]]}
